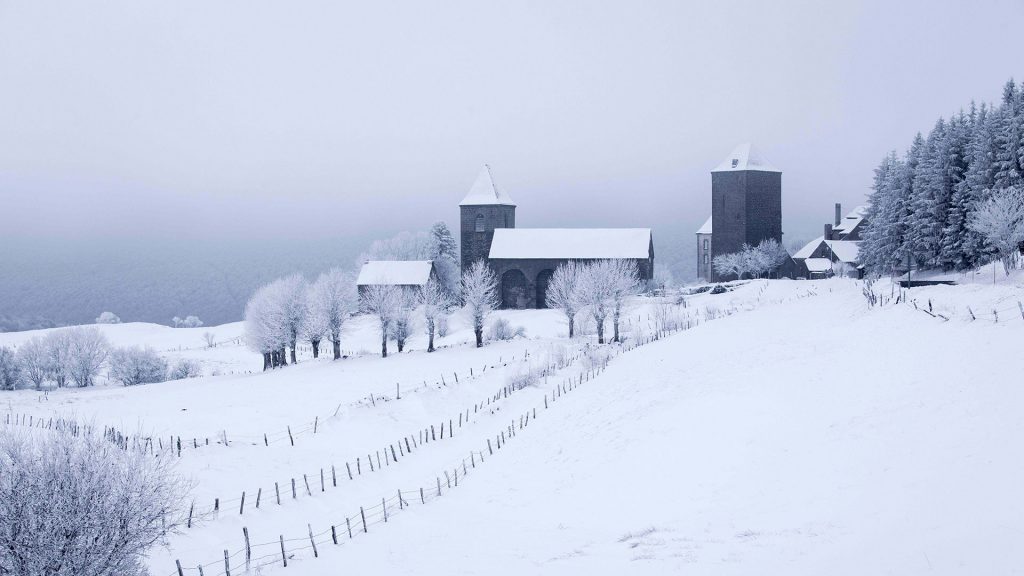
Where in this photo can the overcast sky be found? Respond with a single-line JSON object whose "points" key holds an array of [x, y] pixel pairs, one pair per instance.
{"points": [[248, 118]]}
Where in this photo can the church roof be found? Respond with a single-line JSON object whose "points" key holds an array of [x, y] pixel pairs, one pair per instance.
{"points": [[485, 192], [395, 272], [570, 243], [745, 157], [706, 228]]}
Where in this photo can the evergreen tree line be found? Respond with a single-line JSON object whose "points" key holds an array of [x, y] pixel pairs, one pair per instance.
{"points": [[925, 204]]}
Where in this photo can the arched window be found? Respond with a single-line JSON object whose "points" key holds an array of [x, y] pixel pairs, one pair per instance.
{"points": [[479, 223]]}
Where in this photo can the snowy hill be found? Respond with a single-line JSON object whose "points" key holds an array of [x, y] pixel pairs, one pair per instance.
{"points": [[793, 429]]}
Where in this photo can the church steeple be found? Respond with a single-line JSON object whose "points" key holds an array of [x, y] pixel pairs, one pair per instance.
{"points": [[485, 208], [484, 192]]}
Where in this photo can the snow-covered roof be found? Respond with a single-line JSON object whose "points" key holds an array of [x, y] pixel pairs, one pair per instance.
{"points": [[570, 243], [706, 228], [808, 249], [851, 220], [818, 264], [395, 272], [485, 192], [745, 157], [845, 250]]}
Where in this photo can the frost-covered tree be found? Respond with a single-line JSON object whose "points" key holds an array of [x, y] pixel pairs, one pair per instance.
{"points": [[266, 325], [444, 251], [87, 352], [333, 299], [132, 365], [402, 322], [625, 282], [663, 277], [1000, 220], [596, 292], [773, 254], [726, 265], [383, 302], [81, 506], [480, 293], [34, 362], [191, 322], [563, 292], [434, 302], [185, 368], [10, 371], [108, 318], [57, 346]]}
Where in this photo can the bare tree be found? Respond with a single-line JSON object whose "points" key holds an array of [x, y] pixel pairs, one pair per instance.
{"points": [[34, 362], [1000, 220], [210, 339], [132, 366], [625, 282], [382, 301], [80, 506], [434, 300], [332, 300], [480, 293], [563, 292], [87, 351], [596, 293]]}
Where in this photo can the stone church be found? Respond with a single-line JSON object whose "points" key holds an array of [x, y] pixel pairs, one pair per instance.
{"points": [[525, 258]]}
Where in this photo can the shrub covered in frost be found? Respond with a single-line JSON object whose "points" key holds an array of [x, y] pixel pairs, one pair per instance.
{"points": [[131, 366], [501, 329]]}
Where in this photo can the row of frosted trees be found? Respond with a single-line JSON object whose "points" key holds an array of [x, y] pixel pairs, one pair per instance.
{"points": [[953, 200]]}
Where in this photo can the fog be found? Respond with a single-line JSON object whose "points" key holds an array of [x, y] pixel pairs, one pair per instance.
{"points": [[223, 122]]}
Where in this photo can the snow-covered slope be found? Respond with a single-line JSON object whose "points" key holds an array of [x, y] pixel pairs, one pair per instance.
{"points": [[795, 430]]}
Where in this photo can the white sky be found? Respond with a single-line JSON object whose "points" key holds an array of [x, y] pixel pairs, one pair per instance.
{"points": [[252, 118]]}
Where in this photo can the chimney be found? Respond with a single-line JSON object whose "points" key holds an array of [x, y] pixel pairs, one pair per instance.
{"points": [[828, 231], [839, 214]]}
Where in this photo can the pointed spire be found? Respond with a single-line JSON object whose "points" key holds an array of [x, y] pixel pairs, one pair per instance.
{"points": [[485, 192], [745, 157]]}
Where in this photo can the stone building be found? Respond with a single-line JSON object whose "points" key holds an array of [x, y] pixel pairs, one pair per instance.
{"points": [[837, 251], [746, 208], [525, 259]]}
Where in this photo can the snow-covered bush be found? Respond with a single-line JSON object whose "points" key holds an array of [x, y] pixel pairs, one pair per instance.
{"points": [[131, 366], [185, 369], [10, 372], [523, 375], [108, 318], [191, 322], [57, 346], [442, 325], [209, 339], [501, 329], [401, 325], [87, 352], [595, 357], [80, 506]]}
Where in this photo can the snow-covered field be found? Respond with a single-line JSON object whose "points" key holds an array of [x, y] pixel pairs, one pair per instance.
{"points": [[794, 431]]}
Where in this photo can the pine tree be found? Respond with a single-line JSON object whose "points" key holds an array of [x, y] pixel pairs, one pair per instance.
{"points": [[1008, 143]]}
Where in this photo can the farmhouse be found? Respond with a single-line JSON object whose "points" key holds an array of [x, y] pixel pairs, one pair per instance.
{"points": [[525, 259], [836, 251], [407, 274]]}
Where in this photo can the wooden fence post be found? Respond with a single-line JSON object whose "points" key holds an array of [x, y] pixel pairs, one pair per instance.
{"points": [[241, 507], [334, 535], [190, 509], [348, 526], [349, 468], [227, 565], [284, 558], [277, 491], [178, 564], [248, 550], [362, 514], [311, 541], [422, 499]]}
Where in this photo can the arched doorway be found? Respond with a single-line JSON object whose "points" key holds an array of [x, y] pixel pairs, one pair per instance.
{"points": [[513, 289], [542, 287]]}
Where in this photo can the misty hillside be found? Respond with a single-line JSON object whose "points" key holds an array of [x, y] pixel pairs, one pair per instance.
{"points": [[51, 283]]}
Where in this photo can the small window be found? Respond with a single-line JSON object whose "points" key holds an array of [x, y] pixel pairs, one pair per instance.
{"points": [[506, 220], [735, 162], [705, 258], [707, 244], [479, 222]]}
